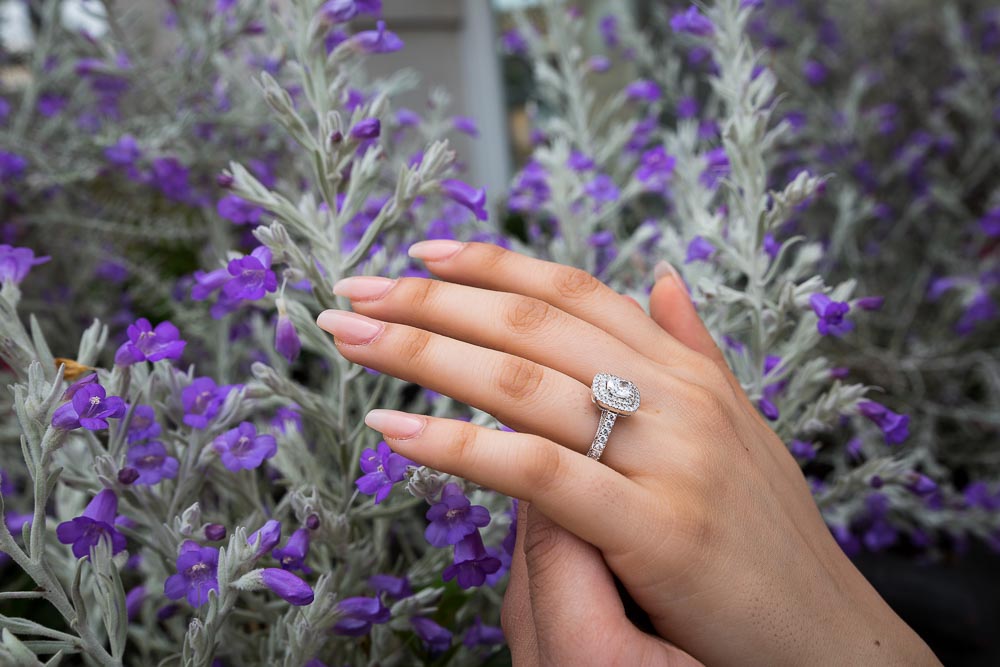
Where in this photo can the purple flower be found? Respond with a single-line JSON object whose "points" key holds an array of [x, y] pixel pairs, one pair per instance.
{"points": [[454, 517], [530, 189], [286, 340], [599, 64], [699, 250], [252, 277], [202, 400], [133, 601], [367, 128], [269, 535], [802, 450], [465, 125], [152, 462], [482, 635], [831, 315], [292, 556], [142, 424], [655, 167], [687, 107], [716, 167], [90, 408], [895, 427], [287, 586], [379, 40], [238, 210], [358, 614], [643, 89], [693, 22], [920, 484], [241, 448], [16, 262], [815, 72], [602, 188], [396, 587], [436, 638], [464, 194], [513, 42], [990, 223], [768, 409], [215, 532], [12, 166], [980, 309], [197, 574], [172, 178], [124, 153], [870, 302], [977, 494], [97, 520], [472, 563], [341, 11], [383, 468], [849, 544], [148, 344], [579, 162], [50, 104]]}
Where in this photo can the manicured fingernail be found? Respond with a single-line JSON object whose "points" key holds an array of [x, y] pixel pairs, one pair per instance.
{"points": [[663, 268], [363, 288], [349, 328], [435, 251], [395, 424]]}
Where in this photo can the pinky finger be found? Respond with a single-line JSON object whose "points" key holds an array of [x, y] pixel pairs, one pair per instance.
{"points": [[582, 495]]}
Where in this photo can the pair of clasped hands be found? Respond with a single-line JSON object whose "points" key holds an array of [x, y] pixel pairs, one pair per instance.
{"points": [[696, 505]]}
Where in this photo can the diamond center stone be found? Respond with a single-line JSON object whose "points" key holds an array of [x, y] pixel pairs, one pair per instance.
{"points": [[619, 388]]}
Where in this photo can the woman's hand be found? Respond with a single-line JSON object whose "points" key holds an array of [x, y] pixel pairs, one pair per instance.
{"points": [[562, 607], [696, 504]]}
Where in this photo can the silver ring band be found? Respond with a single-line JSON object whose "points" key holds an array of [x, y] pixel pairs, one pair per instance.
{"points": [[615, 396]]}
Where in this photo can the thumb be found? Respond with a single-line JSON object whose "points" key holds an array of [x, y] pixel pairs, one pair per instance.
{"points": [[572, 592], [670, 306]]}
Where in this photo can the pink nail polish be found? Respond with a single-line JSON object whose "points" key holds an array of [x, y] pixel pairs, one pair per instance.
{"points": [[395, 424], [435, 251], [363, 288], [348, 327]]}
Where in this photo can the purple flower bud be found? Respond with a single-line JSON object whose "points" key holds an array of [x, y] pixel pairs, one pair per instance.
{"points": [[312, 521], [215, 532], [920, 484], [815, 72], [368, 128], [643, 89], [465, 125], [870, 302], [831, 315], [133, 601], [292, 556], [608, 27], [224, 180], [802, 450], [127, 475], [692, 22], [238, 210], [768, 409], [699, 250], [358, 614], [287, 585], [397, 587], [598, 64], [602, 189], [894, 426], [286, 339], [876, 482], [436, 638], [268, 535], [482, 635]]}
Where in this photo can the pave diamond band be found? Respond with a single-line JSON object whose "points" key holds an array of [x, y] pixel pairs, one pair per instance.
{"points": [[615, 397]]}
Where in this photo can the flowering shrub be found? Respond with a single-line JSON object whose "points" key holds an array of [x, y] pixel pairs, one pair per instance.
{"points": [[195, 482]]}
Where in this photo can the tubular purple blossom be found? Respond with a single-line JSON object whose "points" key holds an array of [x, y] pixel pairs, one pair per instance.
{"points": [[436, 638], [15, 263], [292, 556], [472, 562], [464, 194], [831, 315], [699, 250], [693, 22], [894, 426], [359, 614], [143, 424], [89, 408], [287, 586], [643, 89], [379, 40], [383, 468], [97, 521], [266, 537], [367, 128], [252, 277], [202, 400], [396, 587], [152, 463]]}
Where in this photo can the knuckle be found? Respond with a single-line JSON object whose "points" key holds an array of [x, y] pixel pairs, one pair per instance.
{"points": [[575, 283], [528, 316], [541, 462], [519, 378], [540, 542], [414, 346], [490, 256], [710, 411], [460, 448], [418, 292]]}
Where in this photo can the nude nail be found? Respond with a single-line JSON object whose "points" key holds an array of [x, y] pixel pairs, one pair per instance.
{"points": [[395, 424], [663, 269], [363, 288], [348, 327], [435, 251]]}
